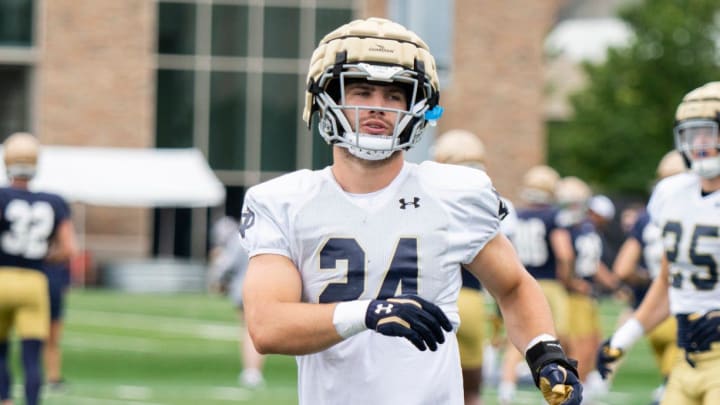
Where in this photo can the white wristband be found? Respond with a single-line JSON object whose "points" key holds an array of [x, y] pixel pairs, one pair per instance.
{"points": [[349, 317], [626, 336], [545, 337]]}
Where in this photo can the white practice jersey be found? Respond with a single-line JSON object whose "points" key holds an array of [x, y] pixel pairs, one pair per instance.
{"points": [[410, 237], [689, 223]]}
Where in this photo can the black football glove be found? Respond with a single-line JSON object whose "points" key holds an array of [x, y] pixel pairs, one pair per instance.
{"points": [[554, 373], [606, 357], [411, 317]]}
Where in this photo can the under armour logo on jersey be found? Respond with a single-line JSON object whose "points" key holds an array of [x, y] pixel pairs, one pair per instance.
{"points": [[384, 308], [247, 219], [415, 203]]}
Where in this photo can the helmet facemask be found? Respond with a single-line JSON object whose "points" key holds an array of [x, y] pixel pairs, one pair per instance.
{"points": [[335, 127], [572, 196], [697, 140]]}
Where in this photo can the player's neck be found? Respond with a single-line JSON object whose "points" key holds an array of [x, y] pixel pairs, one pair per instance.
{"points": [[359, 176], [19, 183]]}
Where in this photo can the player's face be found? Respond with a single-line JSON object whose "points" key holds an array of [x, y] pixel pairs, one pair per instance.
{"points": [[373, 121], [704, 143], [701, 140]]}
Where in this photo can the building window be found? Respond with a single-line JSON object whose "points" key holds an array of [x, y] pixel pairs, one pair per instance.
{"points": [[176, 28], [17, 57], [174, 108], [231, 80], [16, 23], [14, 85], [227, 120]]}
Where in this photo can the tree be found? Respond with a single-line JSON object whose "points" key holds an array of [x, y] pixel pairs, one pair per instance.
{"points": [[623, 118]]}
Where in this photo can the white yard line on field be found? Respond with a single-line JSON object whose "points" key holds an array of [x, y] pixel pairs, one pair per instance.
{"points": [[98, 341], [196, 328], [230, 394]]}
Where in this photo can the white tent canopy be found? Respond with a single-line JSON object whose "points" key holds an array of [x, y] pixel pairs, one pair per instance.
{"points": [[588, 38], [127, 176]]}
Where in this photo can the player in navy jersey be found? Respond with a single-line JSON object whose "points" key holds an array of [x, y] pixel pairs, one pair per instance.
{"points": [[589, 271], [686, 208], [355, 268], [34, 227], [464, 148], [545, 249]]}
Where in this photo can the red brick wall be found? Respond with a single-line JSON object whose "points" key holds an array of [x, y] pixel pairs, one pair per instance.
{"points": [[497, 83], [95, 81]]}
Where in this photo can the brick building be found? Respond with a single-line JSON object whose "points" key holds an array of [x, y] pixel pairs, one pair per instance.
{"points": [[216, 74]]}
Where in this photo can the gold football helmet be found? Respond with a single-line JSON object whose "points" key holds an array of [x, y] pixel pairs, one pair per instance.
{"points": [[572, 195], [459, 147], [20, 153], [572, 190], [696, 130], [538, 185], [379, 51]]}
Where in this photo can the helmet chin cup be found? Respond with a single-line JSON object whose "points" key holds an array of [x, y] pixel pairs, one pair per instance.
{"points": [[366, 154], [707, 168]]}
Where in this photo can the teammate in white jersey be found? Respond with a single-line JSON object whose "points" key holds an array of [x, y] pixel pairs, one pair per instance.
{"points": [[348, 260], [686, 207]]}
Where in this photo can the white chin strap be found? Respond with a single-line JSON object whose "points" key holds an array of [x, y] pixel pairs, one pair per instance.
{"points": [[707, 168], [368, 147]]}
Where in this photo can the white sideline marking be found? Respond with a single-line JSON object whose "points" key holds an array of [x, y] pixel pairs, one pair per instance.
{"points": [[110, 342], [176, 325], [230, 394], [133, 392]]}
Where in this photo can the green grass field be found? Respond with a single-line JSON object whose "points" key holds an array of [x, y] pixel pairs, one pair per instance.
{"points": [[182, 349]]}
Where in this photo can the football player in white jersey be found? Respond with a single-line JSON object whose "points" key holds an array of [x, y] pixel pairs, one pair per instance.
{"points": [[686, 207], [461, 147], [355, 268], [638, 263]]}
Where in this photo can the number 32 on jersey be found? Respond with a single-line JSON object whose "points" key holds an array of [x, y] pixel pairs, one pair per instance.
{"points": [[30, 226]]}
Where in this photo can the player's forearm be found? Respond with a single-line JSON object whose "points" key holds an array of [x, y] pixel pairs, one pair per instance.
{"points": [[655, 307], [526, 313], [626, 260], [564, 273], [291, 328]]}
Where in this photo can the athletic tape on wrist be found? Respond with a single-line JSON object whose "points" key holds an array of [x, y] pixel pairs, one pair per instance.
{"points": [[349, 317], [626, 336], [545, 337]]}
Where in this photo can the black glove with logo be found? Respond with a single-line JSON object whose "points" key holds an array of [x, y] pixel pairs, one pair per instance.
{"points": [[409, 316]]}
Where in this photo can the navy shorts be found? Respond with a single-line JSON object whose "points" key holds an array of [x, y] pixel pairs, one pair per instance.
{"points": [[58, 281]]}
